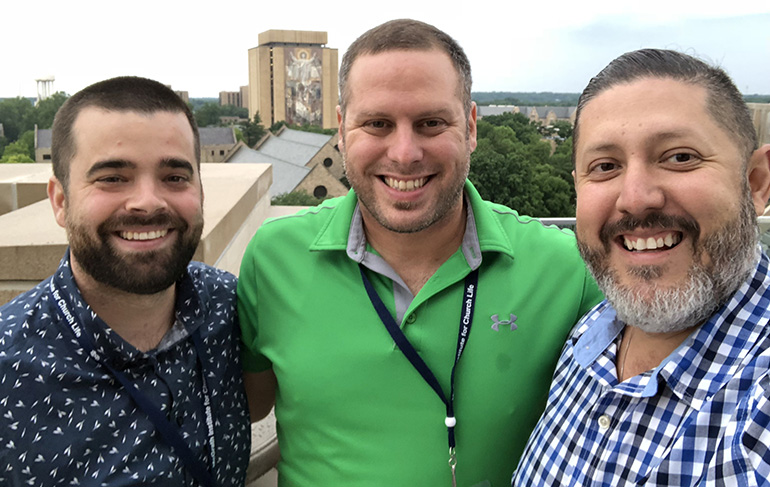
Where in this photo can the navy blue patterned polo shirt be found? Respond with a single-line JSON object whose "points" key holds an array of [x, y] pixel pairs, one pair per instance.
{"points": [[65, 420]]}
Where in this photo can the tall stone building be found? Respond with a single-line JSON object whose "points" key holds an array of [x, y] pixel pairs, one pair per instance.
{"points": [[293, 77]]}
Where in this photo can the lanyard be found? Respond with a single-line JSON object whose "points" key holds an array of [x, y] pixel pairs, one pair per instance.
{"points": [[167, 431], [466, 320]]}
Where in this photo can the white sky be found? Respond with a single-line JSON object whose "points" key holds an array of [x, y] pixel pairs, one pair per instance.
{"points": [[201, 47]]}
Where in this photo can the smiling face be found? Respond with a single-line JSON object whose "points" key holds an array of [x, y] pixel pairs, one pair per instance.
{"points": [[665, 216], [406, 139], [133, 205]]}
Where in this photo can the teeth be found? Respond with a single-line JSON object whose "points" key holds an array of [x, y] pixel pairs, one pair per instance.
{"points": [[402, 185], [143, 235], [650, 243]]}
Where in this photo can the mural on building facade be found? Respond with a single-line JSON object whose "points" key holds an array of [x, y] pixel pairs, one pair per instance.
{"points": [[304, 104]]}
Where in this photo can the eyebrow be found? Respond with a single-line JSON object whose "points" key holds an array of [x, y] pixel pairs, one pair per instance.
{"points": [[110, 164], [170, 163], [174, 163], [655, 139]]}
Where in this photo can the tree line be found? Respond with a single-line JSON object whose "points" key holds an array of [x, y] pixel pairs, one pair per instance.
{"points": [[518, 163]]}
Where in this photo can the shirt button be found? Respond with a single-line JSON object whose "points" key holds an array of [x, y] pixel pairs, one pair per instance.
{"points": [[411, 319], [604, 421]]}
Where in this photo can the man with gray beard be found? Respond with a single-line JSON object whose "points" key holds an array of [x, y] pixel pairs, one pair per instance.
{"points": [[667, 382]]}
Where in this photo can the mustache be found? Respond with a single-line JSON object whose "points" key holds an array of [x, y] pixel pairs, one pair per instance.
{"points": [[628, 223], [159, 219]]}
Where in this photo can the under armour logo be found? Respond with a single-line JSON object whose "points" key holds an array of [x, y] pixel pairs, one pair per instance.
{"points": [[498, 322]]}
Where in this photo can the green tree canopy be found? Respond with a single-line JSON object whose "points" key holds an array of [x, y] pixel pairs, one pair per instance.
{"points": [[17, 116], [46, 110], [513, 166], [253, 130], [295, 198], [24, 146]]}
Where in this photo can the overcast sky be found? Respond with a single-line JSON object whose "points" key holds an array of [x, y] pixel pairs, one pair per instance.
{"points": [[201, 47]]}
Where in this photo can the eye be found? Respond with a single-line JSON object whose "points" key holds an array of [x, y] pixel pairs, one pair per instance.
{"points": [[176, 178], [604, 167], [376, 124], [112, 179], [682, 158]]}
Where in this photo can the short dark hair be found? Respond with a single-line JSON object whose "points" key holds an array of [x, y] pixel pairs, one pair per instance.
{"points": [[125, 93], [723, 100], [407, 35]]}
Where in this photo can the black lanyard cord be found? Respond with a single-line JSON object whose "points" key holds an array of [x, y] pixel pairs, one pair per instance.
{"points": [[466, 320]]}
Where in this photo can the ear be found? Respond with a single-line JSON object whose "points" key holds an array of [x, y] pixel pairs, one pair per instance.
{"points": [[472, 127], [340, 129], [759, 177], [58, 200]]}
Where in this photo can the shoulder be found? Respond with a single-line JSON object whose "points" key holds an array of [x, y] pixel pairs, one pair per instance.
{"points": [[524, 234], [210, 281], [25, 315]]}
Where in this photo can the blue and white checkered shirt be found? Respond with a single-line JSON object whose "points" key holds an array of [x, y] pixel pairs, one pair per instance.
{"points": [[700, 418]]}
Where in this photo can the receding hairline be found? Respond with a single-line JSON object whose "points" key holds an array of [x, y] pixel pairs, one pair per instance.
{"points": [[704, 99]]}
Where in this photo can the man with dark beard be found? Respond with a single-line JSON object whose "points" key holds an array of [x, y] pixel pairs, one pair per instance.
{"points": [[122, 368], [667, 382]]}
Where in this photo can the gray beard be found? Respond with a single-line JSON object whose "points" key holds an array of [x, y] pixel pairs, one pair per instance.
{"points": [[656, 309]]}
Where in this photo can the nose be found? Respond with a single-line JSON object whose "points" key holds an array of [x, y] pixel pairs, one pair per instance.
{"points": [[146, 196], [641, 190], [404, 145]]}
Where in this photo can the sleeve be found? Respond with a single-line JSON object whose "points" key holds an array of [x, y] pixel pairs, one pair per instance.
{"points": [[248, 302], [754, 433]]}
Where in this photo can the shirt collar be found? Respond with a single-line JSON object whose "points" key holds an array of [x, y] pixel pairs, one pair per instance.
{"points": [[109, 344], [344, 229], [705, 361]]}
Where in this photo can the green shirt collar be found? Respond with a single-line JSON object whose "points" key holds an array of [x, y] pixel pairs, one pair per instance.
{"points": [[483, 233]]}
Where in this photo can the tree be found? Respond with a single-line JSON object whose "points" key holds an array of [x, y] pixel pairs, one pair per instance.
{"points": [[25, 146], [46, 109], [253, 131], [15, 159], [17, 116], [295, 198], [514, 167], [565, 128], [208, 115]]}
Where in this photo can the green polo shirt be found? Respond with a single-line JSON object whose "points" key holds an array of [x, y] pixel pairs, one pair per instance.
{"points": [[351, 410]]}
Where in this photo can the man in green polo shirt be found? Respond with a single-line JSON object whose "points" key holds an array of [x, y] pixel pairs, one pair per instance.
{"points": [[407, 332]]}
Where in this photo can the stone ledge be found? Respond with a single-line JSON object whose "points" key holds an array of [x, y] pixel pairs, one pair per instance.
{"points": [[32, 243]]}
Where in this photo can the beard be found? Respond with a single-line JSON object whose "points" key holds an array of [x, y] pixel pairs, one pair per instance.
{"points": [[134, 272], [654, 308]]}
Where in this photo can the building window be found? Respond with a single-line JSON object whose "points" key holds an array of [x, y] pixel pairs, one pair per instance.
{"points": [[46, 157], [221, 153], [319, 192], [328, 162]]}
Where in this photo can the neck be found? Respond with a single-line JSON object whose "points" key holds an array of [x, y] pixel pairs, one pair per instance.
{"points": [[141, 320], [416, 256], [641, 351]]}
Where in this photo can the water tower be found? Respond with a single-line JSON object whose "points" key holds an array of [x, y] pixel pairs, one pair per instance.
{"points": [[44, 88]]}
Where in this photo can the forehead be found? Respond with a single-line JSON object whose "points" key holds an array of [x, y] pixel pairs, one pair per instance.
{"points": [[647, 110], [403, 72], [99, 134]]}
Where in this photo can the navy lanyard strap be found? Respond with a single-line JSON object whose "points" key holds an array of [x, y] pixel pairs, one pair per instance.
{"points": [[466, 320], [167, 431]]}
